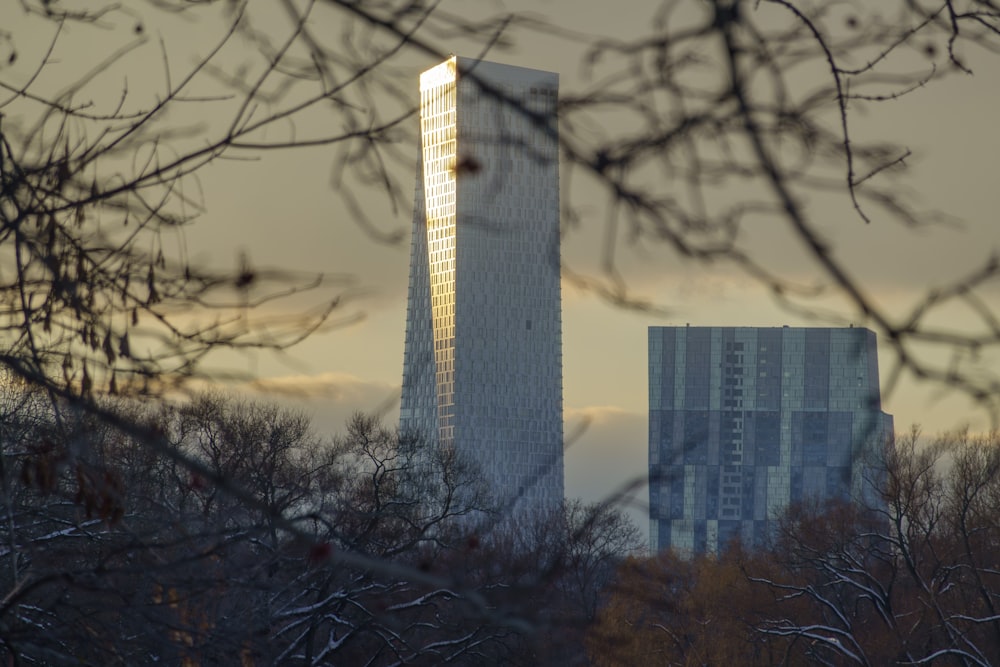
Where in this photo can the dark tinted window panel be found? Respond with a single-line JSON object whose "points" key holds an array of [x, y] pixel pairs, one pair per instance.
{"points": [[814, 438], [700, 536], [813, 482], [665, 436], [769, 369], [655, 434], [767, 439], [760, 495], [664, 534], [749, 484], [712, 492], [840, 444], [674, 476], [668, 351], [697, 368], [797, 438], [795, 483], [816, 394], [729, 532], [696, 437], [838, 483], [872, 355], [654, 494]]}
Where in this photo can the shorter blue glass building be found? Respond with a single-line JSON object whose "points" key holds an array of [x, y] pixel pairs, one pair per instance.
{"points": [[744, 421]]}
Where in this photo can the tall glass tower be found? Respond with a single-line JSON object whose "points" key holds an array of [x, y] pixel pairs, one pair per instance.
{"points": [[744, 421], [482, 368]]}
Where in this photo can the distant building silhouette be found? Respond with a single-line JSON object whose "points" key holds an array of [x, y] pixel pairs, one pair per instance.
{"points": [[744, 421], [482, 368]]}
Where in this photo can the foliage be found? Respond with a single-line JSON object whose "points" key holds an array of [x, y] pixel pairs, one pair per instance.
{"points": [[119, 556], [674, 611], [745, 126], [120, 520], [98, 292], [558, 568], [721, 120], [911, 582]]}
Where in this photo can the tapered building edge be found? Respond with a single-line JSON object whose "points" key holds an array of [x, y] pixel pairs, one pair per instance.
{"points": [[482, 356]]}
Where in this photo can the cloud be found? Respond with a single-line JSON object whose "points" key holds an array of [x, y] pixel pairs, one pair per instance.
{"points": [[330, 398], [330, 385]]}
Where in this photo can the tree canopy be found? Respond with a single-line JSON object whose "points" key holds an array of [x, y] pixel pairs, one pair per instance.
{"points": [[712, 131]]}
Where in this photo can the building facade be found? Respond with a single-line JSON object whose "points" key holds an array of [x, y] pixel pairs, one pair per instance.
{"points": [[744, 421], [482, 369]]}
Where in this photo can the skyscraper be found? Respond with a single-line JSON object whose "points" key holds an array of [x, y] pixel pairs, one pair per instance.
{"points": [[482, 368], [744, 421]]}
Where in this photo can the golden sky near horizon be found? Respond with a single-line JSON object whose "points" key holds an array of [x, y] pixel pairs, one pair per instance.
{"points": [[282, 211]]}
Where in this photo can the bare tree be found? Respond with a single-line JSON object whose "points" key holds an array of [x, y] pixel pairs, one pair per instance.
{"points": [[720, 97], [715, 123], [119, 556], [552, 572], [700, 610], [742, 116], [732, 114], [98, 291], [911, 583]]}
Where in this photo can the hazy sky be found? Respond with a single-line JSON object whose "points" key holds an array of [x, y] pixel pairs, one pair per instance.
{"points": [[950, 128], [282, 211]]}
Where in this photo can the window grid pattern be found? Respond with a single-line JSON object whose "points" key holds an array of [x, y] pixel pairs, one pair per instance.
{"points": [[486, 250], [744, 421], [438, 141]]}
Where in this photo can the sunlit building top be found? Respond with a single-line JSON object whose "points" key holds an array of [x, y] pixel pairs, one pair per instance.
{"points": [[482, 364]]}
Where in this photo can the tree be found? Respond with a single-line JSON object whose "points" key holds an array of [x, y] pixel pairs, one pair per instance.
{"points": [[94, 184], [913, 582], [763, 94], [710, 125], [94, 192], [554, 571], [121, 557], [596, 539], [669, 610], [745, 115]]}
